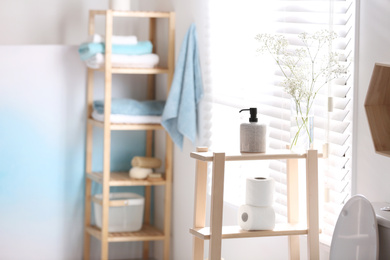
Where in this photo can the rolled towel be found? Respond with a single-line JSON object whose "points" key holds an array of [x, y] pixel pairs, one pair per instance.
{"points": [[115, 39], [146, 162], [139, 173], [87, 50]]}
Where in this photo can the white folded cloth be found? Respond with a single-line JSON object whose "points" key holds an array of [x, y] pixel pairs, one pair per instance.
{"points": [[115, 39], [124, 61], [126, 119]]}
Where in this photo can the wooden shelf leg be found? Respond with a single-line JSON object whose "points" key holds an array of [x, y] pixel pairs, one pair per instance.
{"points": [[148, 196], [312, 205], [169, 144], [88, 165], [216, 213], [149, 135], [106, 136], [87, 219], [168, 196], [293, 206], [200, 204]]}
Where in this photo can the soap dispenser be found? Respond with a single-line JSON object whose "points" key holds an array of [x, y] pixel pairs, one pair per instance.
{"points": [[252, 134]]}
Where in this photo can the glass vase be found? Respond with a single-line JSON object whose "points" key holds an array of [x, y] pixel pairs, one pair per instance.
{"points": [[302, 126]]}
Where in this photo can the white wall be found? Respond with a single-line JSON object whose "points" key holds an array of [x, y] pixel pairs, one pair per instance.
{"points": [[372, 170], [45, 21], [52, 21]]}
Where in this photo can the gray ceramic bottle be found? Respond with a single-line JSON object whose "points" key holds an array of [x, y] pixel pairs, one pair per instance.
{"points": [[252, 134]]}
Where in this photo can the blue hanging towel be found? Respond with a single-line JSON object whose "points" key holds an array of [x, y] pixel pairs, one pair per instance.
{"points": [[180, 113]]}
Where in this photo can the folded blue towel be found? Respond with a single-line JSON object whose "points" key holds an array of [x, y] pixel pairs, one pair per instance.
{"points": [[131, 107], [87, 50], [180, 113]]}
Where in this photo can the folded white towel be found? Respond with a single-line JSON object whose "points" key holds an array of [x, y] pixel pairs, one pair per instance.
{"points": [[124, 61], [126, 119], [140, 173], [115, 39]]}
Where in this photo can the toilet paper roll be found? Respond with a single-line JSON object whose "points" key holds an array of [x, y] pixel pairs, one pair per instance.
{"points": [[259, 191], [256, 218], [140, 173]]}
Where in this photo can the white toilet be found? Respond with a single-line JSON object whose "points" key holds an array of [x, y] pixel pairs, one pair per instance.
{"points": [[383, 218], [356, 233], [362, 231]]}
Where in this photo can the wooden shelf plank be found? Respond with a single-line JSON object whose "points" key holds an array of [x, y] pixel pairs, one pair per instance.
{"points": [[147, 233], [132, 14], [123, 179], [282, 154], [385, 153], [237, 232], [272, 155], [121, 127], [115, 70], [139, 71]]}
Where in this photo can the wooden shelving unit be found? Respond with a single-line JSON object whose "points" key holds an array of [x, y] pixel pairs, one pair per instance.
{"points": [[216, 232], [109, 179]]}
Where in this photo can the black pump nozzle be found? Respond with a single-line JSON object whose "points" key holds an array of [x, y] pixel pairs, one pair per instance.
{"points": [[253, 111]]}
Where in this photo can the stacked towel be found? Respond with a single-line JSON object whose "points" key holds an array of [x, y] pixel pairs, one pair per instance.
{"points": [[124, 61], [180, 113], [87, 50], [126, 52]]}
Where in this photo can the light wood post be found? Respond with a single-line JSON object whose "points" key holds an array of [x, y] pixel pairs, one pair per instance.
{"points": [[312, 205], [149, 136], [216, 214], [151, 85], [88, 166], [171, 49], [200, 204], [169, 144], [91, 23], [293, 206], [89, 148], [106, 137], [168, 195]]}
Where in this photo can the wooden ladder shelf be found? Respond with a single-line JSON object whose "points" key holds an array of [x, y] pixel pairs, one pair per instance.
{"points": [[109, 179]]}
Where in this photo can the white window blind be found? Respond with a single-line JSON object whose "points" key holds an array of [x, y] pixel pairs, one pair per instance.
{"points": [[236, 77]]}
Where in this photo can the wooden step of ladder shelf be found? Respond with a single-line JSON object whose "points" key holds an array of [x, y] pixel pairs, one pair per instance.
{"points": [[109, 179], [216, 232]]}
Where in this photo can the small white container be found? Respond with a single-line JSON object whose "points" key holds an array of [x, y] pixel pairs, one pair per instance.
{"points": [[123, 218], [120, 5]]}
